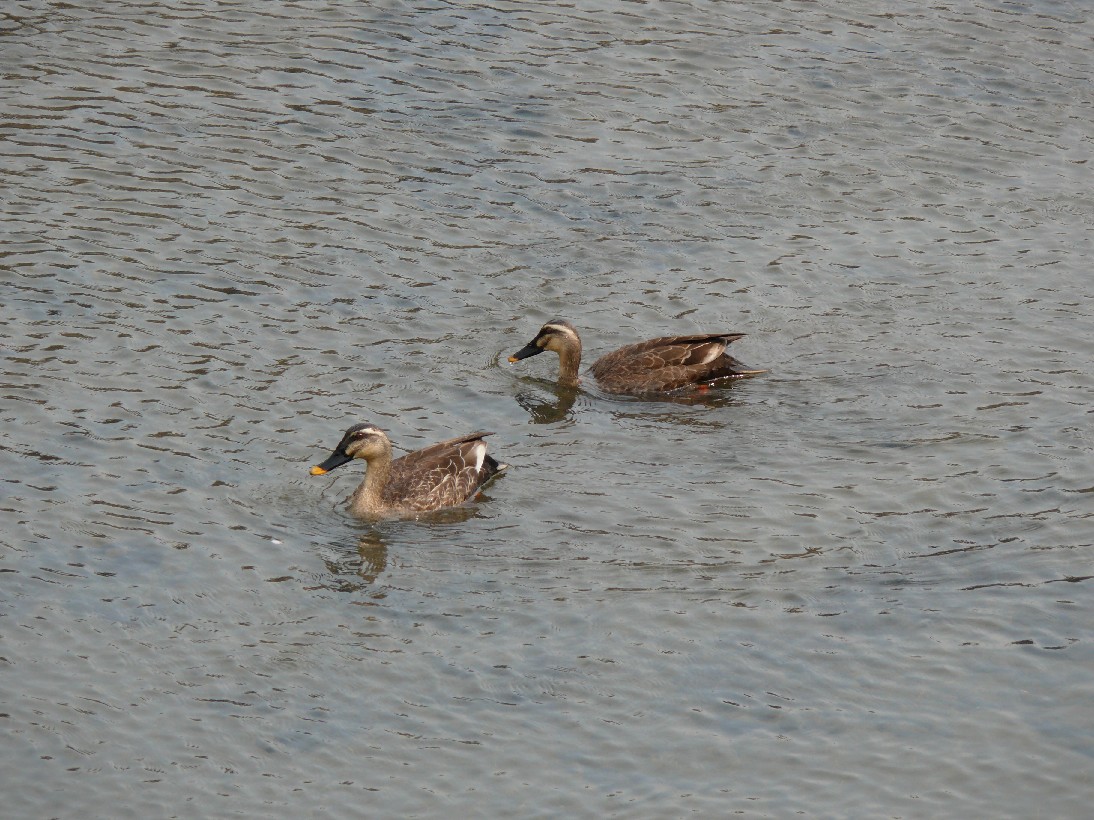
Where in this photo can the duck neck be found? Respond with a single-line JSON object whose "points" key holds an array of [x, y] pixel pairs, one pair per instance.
{"points": [[569, 360], [369, 495]]}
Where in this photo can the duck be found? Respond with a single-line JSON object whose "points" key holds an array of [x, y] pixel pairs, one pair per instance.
{"points": [[441, 475], [658, 365]]}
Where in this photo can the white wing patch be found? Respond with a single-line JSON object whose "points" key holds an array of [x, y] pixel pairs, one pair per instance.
{"points": [[479, 452], [713, 352]]}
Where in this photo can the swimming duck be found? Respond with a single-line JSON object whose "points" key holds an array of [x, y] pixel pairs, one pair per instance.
{"points": [[441, 475], [653, 366]]}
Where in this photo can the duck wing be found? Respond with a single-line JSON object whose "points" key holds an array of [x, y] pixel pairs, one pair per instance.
{"points": [[668, 363], [442, 474]]}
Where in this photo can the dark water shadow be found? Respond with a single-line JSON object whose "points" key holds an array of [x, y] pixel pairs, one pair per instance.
{"points": [[551, 403], [688, 407]]}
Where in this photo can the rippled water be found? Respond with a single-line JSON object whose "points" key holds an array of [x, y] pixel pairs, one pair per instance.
{"points": [[856, 586]]}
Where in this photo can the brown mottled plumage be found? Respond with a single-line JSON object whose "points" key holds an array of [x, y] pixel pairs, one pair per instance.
{"points": [[653, 366], [437, 476]]}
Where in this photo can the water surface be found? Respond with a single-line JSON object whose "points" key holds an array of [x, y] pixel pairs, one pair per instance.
{"points": [[855, 586]]}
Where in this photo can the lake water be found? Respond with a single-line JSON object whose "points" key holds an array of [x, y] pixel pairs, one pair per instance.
{"points": [[857, 586]]}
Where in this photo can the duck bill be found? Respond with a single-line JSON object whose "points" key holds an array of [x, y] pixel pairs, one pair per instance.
{"points": [[529, 349], [336, 459]]}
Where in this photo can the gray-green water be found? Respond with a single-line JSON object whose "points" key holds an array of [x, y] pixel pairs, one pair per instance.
{"points": [[856, 587]]}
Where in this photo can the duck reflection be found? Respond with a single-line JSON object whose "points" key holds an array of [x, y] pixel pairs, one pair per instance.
{"points": [[548, 411], [358, 568], [554, 402], [687, 409], [711, 398], [372, 550]]}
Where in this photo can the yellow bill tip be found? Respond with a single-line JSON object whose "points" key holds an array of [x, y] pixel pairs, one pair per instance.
{"points": [[513, 359], [317, 470]]}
